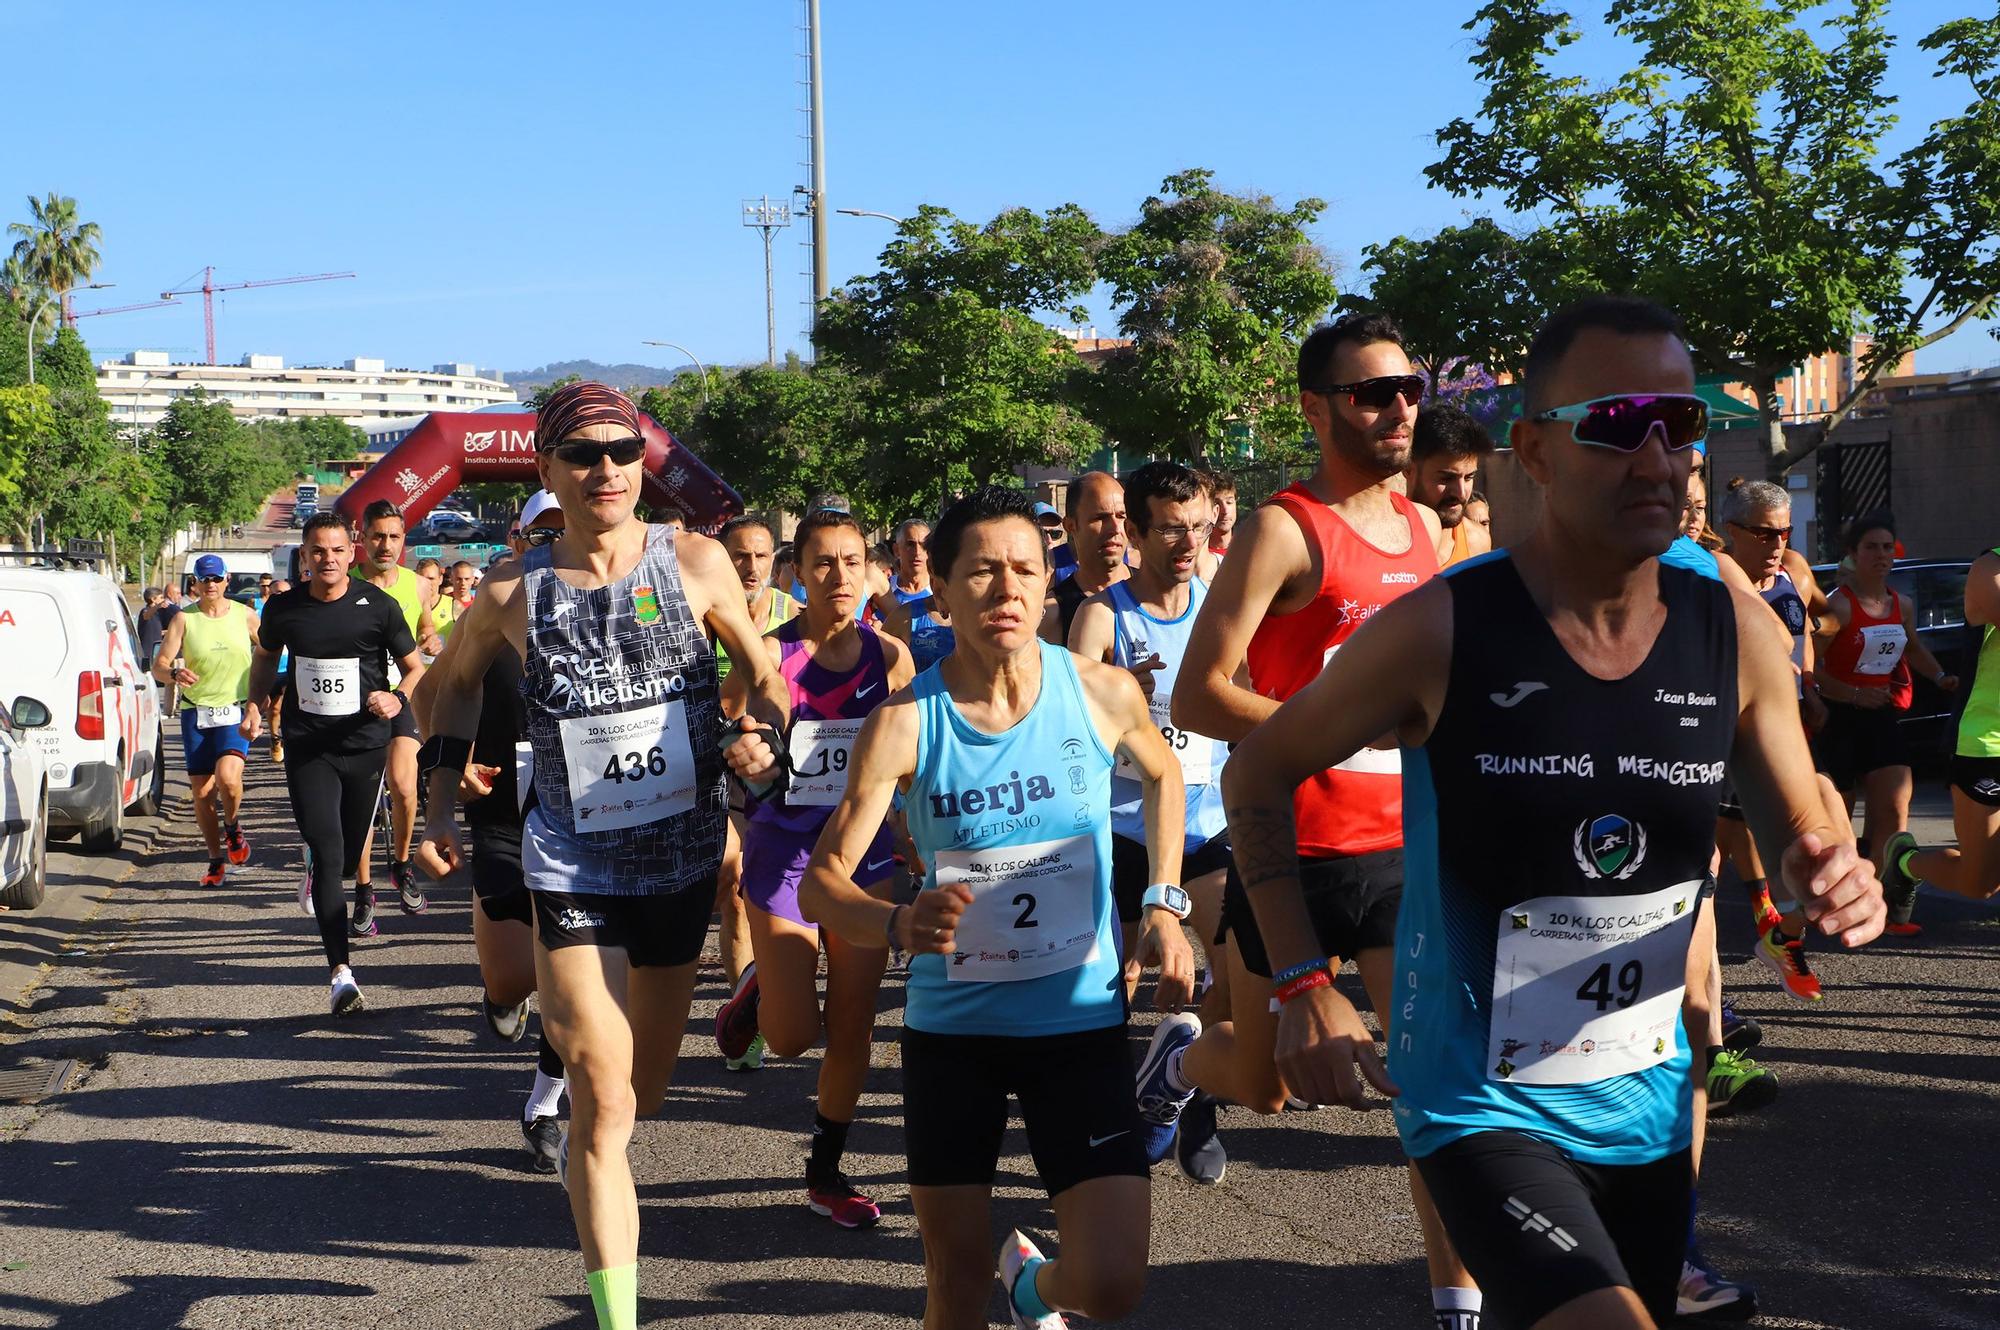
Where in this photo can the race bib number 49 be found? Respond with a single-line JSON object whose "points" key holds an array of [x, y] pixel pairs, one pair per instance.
{"points": [[820, 750], [327, 686], [1033, 911], [629, 768], [1586, 988]]}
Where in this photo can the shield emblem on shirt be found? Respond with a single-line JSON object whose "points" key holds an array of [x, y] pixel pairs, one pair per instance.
{"points": [[1609, 846]]}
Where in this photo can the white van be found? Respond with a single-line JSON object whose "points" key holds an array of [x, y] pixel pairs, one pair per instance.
{"points": [[245, 568], [67, 641]]}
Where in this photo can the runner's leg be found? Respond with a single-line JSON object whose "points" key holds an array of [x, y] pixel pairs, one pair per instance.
{"points": [[956, 1224], [584, 1010], [660, 997], [1973, 869], [506, 950], [229, 785], [201, 791], [402, 778], [732, 927], [1888, 791], [853, 978], [1232, 1060], [787, 955], [1205, 895], [1105, 1229]]}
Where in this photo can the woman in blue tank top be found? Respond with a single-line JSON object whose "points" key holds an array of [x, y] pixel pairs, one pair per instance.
{"points": [[1004, 752]]}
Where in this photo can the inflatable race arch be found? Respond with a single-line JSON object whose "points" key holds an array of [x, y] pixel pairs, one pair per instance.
{"points": [[453, 448]]}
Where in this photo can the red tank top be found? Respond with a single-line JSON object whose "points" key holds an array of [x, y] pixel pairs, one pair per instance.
{"points": [[1356, 807], [1868, 650]]}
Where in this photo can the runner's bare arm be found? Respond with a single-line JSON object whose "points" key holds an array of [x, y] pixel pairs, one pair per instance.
{"points": [[413, 670], [1268, 553], [170, 647], [1808, 585], [715, 595], [1982, 591], [263, 679], [1773, 772], [901, 665], [496, 618], [423, 697], [1733, 576], [1092, 631]]}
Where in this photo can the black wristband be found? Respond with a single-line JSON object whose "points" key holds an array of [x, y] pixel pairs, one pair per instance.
{"points": [[443, 750]]}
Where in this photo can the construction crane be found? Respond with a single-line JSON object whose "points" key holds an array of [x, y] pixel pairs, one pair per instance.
{"points": [[208, 288], [76, 314]]}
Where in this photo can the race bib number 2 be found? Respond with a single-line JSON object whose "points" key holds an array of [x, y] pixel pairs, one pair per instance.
{"points": [[629, 768], [327, 686], [1033, 911]]}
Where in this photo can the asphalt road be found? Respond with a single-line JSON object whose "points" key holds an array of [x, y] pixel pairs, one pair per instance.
{"points": [[230, 1156]]}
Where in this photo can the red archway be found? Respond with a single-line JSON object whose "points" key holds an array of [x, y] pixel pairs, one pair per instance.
{"points": [[453, 447]]}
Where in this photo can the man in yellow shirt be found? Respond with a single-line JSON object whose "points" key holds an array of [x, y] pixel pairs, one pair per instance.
{"points": [[381, 544]]}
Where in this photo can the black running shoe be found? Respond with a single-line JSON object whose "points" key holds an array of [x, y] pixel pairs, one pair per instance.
{"points": [[543, 1139], [507, 1023], [362, 924], [408, 894], [1196, 1148]]}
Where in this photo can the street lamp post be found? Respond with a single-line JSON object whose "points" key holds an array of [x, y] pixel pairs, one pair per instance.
{"points": [[35, 319], [768, 217], [691, 356], [865, 212]]}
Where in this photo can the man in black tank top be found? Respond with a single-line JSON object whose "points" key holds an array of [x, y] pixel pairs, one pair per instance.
{"points": [[1574, 748]]}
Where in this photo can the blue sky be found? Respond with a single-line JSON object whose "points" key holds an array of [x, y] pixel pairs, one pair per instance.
{"points": [[514, 189]]}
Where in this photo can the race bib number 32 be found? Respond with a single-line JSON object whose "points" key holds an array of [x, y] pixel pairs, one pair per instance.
{"points": [[629, 768], [327, 686], [1033, 911], [820, 750], [1586, 988]]}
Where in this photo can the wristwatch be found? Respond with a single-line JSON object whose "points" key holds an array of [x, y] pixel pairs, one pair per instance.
{"points": [[1166, 896]]}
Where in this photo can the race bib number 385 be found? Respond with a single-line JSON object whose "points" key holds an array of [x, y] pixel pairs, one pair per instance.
{"points": [[327, 687], [1033, 911], [629, 768], [1586, 988]]}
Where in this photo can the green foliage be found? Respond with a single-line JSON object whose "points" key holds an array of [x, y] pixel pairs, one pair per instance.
{"points": [[54, 251], [26, 418]]}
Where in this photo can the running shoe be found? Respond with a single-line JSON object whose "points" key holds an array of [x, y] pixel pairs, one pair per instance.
{"points": [[1294, 1104], [1706, 1296], [736, 1023], [1787, 959], [409, 895], [752, 1059], [213, 877], [1196, 1147], [1737, 1083], [836, 1198], [345, 995], [1160, 1104], [507, 1023], [306, 886], [277, 751], [543, 1139], [237, 846], [562, 1158], [362, 924], [1739, 1033], [1016, 1252], [1899, 889]]}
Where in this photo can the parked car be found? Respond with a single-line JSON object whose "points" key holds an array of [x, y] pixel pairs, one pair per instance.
{"points": [[1938, 587], [446, 529], [67, 640], [24, 807], [302, 512]]}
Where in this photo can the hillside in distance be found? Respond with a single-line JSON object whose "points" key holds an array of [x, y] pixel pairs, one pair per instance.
{"points": [[627, 377]]}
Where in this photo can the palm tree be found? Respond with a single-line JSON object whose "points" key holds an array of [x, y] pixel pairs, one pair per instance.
{"points": [[17, 288], [55, 250]]}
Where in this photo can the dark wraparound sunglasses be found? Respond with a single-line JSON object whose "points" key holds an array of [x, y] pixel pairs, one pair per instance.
{"points": [[585, 454], [542, 535], [1625, 421], [1379, 393]]}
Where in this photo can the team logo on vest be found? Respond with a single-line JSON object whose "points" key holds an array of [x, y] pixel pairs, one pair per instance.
{"points": [[1007, 797], [1611, 846], [645, 605]]}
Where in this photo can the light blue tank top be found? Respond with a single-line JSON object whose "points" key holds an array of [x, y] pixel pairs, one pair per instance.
{"points": [[1024, 819], [1686, 552], [1136, 635]]}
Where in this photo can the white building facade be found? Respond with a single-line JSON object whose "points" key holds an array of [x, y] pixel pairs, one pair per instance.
{"points": [[141, 386]]}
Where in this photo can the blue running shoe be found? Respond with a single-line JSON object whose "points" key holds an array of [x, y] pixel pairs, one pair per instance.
{"points": [[1160, 1104]]}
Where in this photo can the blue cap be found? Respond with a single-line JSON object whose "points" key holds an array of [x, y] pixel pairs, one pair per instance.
{"points": [[210, 565], [1046, 510]]}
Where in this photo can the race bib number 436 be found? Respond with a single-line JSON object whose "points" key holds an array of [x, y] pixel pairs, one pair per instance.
{"points": [[1033, 911], [629, 768], [1586, 988]]}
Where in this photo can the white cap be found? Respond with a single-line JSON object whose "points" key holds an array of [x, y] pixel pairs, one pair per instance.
{"points": [[539, 502]]}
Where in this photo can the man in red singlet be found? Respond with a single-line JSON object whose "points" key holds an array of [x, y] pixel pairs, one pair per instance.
{"points": [[1304, 571]]}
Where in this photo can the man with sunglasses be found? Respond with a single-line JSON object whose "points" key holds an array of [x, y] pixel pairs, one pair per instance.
{"points": [[1567, 708], [623, 838], [1304, 572], [206, 652]]}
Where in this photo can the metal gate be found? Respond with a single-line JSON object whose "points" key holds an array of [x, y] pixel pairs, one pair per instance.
{"points": [[1853, 479]]}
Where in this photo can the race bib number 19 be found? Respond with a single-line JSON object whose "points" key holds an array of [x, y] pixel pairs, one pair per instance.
{"points": [[629, 768], [820, 750], [327, 686]]}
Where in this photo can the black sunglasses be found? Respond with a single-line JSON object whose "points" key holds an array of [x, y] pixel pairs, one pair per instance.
{"points": [[585, 454], [542, 535], [1378, 393]]}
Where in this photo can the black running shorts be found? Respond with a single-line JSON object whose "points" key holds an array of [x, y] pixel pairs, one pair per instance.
{"points": [[404, 724], [1538, 1229], [650, 930], [1132, 873], [1977, 778], [496, 873], [1352, 901], [1857, 741], [1076, 1103]]}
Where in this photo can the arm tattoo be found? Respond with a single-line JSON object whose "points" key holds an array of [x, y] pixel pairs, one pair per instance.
{"points": [[1265, 842]]}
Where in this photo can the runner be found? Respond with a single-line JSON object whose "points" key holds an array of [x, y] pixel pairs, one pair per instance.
{"points": [[1544, 694], [1062, 553], [1480, 513], [838, 673], [1446, 453], [1222, 488], [910, 611], [430, 587], [341, 633], [1096, 527], [1007, 746], [154, 616], [1973, 869], [622, 843], [1142, 624], [1867, 631], [1305, 570], [381, 564], [206, 652], [274, 706]]}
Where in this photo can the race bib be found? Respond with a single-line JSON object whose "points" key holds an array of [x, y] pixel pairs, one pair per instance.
{"points": [[1881, 647], [1033, 911], [629, 768], [820, 750], [1586, 988], [1370, 761], [327, 686], [208, 718], [1194, 750]]}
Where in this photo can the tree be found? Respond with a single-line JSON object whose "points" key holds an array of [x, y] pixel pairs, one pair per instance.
{"points": [[781, 435], [1735, 174], [26, 419], [55, 251], [1218, 290]]}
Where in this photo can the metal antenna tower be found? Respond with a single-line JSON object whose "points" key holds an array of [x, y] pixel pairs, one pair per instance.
{"points": [[769, 218]]}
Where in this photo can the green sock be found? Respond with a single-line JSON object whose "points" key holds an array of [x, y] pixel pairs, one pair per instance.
{"points": [[615, 1294]]}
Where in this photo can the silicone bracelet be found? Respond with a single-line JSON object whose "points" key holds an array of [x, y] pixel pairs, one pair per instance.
{"points": [[1305, 983], [1285, 976]]}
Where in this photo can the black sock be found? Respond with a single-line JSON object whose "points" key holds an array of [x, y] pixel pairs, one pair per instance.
{"points": [[231, 827], [829, 1143], [1714, 1050], [547, 1061]]}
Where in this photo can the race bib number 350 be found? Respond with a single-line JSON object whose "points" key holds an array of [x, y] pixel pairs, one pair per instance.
{"points": [[1586, 988], [820, 750], [1033, 911], [629, 768], [327, 686]]}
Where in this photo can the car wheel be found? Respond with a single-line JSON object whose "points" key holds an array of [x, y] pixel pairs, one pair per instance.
{"points": [[34, 884], [102, 835], [148, 804]]}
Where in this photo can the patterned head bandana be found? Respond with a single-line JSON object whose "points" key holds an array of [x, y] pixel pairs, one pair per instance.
{"points": [[576, 406]]}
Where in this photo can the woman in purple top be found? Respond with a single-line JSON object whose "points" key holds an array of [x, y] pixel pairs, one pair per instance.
{"points": [[839, 671]]}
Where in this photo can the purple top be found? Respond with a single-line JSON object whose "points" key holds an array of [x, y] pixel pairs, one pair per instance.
{"points": [[820, 752]]}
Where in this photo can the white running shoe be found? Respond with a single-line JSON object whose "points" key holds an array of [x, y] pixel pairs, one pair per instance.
{"points": [[344, 996], [306, 887], [1016, 1252]]}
